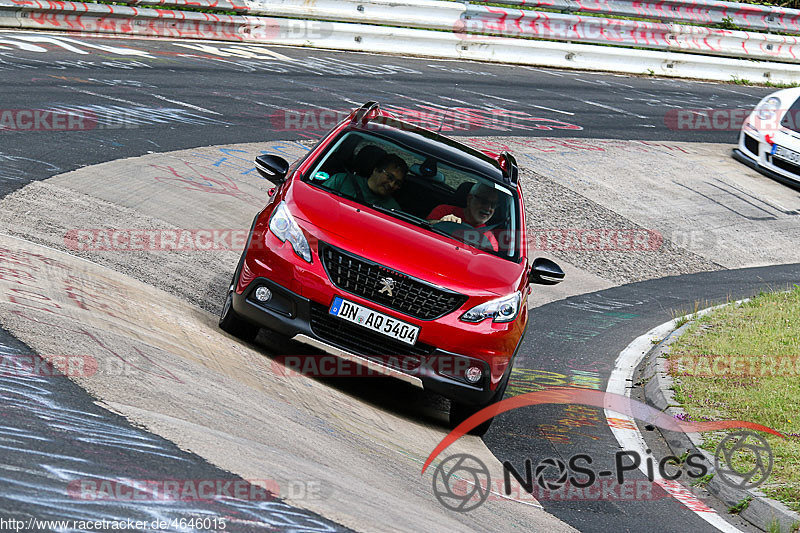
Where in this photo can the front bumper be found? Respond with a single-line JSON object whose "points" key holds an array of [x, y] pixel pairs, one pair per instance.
{"points": [[306, 321], [742, 157], [755, 153]]}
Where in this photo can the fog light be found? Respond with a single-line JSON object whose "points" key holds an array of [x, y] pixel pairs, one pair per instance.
{"points": [[263, 294], [473, 374]]}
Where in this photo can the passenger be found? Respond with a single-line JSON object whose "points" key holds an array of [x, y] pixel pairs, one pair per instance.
{"points": [[386, 179], [481, 204]]}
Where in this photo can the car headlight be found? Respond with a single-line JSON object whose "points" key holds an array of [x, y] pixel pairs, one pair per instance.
{"points": [[503, 309], [284, 227], [766, 110]]}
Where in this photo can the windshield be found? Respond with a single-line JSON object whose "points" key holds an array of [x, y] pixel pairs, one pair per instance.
{"points": [[421, 189]]}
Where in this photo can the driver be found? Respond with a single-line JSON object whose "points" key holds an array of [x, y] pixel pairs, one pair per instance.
{"points": [[481, 203], [386, 179]]}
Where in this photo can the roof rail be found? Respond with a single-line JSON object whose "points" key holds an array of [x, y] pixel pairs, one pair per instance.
{"points": [[510, 169], [363, 112]]}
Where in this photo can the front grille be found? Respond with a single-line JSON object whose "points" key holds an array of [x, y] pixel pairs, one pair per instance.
{"points": [[409, 295], [751, 144], [361, 341], [785, 165]]}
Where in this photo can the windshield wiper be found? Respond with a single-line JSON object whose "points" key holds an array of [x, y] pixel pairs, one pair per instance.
{"points": [[412, 219]]}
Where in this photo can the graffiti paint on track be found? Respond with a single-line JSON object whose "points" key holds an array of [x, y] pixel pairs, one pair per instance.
{"points": [[241, 161], [573, 420], [192, 178], [53, 435]]}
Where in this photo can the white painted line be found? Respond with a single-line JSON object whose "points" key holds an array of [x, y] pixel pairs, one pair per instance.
{"points": [[184, 104], [618, 110], [115, 99], [543, 71], [490, 96], [627, 433], [515, 102], [551, 109], [309, 104], [271, 106], [417, 100], [726, 89], [455, 100], [63, 43], [269, 52], [28, 47]]}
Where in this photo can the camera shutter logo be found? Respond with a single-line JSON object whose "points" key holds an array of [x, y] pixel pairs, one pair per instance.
{"points": [[743, 459], [470, 471], [547, 464], [388, 286]]}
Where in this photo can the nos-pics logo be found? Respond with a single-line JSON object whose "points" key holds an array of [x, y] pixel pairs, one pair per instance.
{"points": [[450, 489]]}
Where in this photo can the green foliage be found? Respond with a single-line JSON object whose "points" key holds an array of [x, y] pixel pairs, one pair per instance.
{"points": [[763, 335], [741, 506], [727, 24], [703, 481]]}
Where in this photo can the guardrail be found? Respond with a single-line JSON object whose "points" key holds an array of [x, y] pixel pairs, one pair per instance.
{"points": [[469, 20], [481, 20], [464, 32], [702, 12], [217, 5]]}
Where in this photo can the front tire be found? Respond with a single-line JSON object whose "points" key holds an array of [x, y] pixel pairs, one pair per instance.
{"points": [[460, 412], [232, 323]]}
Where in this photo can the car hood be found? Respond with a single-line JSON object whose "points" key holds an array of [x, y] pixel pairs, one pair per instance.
{"points": [[399, 245]]}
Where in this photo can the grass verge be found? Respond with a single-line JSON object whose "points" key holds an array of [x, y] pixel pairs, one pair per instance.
{"points": [[742, 362]]}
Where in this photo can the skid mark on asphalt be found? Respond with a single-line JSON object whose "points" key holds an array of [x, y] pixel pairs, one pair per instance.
{"points": [[17, 168], [743, 204]]}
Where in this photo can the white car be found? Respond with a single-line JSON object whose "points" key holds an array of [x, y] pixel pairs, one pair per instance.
{"points": [[770, 137]]}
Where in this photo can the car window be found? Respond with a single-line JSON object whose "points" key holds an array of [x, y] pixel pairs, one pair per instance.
{"points": [[423, 189]]}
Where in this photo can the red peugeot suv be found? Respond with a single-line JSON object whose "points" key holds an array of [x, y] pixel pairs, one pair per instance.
{"points": [[399, 249]]}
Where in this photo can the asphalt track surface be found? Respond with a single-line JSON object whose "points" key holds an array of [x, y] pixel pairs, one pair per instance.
{"points": [[222, 97], [582, 336]]}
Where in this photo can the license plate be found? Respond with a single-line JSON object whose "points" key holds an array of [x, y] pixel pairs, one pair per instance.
{"points": [[787, 155], [375, 321]]}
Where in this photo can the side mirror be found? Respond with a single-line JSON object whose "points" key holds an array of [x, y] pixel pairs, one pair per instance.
{"points": [[272, 168], [545, 272]]}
